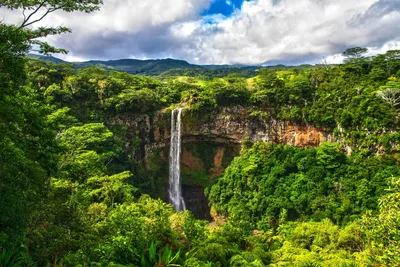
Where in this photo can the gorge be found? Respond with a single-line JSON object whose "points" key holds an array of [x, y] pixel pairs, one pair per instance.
{"points": [[128, 170], [209, 142], [160, 162]]}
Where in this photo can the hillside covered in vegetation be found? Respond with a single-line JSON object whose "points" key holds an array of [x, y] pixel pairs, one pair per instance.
{"points": [[84, 171], [161, 67], [77, 192]]}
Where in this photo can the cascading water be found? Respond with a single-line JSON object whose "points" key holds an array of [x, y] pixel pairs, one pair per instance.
{"points": [[175, 194]]}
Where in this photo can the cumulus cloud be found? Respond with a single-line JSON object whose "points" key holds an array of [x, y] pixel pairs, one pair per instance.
{"points": [[122, 28], [271, 32], [258, 32]]}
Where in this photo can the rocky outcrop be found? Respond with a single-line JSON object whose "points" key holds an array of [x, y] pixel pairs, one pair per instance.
{"points": [[227, 126], [209, 143]]}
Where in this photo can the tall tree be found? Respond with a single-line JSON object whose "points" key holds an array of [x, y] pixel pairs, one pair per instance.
{"points": [[390, 93], [355, 62], [392, 61], [25, 139], [355, 52]]}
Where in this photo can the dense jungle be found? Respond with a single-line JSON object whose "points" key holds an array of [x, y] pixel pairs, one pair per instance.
{"points": [[280, 166]]}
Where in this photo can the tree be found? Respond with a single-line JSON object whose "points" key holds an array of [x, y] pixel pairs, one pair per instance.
{"points": [[392, 61], [354, 52], [111, 189], [36, 10], [384, 230], [25, 137], [355, 62], [390, 93]]}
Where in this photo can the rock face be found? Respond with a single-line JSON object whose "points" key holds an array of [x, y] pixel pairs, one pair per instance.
{"points": [[227, 126], [210, 142]]}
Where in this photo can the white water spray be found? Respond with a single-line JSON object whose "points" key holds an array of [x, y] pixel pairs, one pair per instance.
{"points": [[175, 194]]}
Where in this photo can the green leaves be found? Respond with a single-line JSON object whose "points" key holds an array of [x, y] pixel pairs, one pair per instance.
{"points": [[311, 183], [88, 215], [31, 8], [34, 11], [13, 48], [85, 137], [355, 52], [330, 155], [141, 101], [390, 93], [164, 257], [12, 258], [384, 230], [111, 189]]}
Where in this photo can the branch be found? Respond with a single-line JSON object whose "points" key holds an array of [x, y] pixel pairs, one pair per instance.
{"points": [[39, 19], [110, 159], [30, 15], [391, 96], [67, 159], [23, 13]]}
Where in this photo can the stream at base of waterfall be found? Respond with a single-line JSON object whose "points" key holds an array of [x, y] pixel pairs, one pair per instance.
{"points": [[175, 189]]}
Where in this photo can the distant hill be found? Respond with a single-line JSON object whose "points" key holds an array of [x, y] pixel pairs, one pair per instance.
{"points": [[168, 67], [46, 58], [135, 66]]}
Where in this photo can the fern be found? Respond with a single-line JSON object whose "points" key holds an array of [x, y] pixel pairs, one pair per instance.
{"points": [[10, 258]]}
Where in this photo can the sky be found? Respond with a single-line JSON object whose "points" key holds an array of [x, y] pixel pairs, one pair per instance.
{"points": [[250, 32]]}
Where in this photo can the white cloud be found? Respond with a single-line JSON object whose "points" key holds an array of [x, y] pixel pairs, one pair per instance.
{"points": [[262, 31], [372, 51], [98, 34], [333, 59], [71, 58], [185, 30], [392, 45], [129, 15]]}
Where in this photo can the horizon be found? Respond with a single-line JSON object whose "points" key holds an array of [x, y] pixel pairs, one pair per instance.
{"points": [[56, 56]]}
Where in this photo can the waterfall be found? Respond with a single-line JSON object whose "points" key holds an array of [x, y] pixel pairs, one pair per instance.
{"points": [[175, 194]]}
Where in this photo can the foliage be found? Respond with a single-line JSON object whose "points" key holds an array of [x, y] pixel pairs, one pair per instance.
{"points": [[38, 10], [384, 230], [346, 98], [28, 151], [12, 258], [121, 235], [355, 52], [26, 145], [73, 192], [322, 243], [390, 93], [166, 257], [308, 183], [188, 227]]}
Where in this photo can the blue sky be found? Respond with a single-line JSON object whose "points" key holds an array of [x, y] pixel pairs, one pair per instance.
{"points": [[224, 7]]}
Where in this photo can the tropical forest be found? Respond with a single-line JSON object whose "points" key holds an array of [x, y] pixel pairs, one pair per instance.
{"points": [[161, 162]]}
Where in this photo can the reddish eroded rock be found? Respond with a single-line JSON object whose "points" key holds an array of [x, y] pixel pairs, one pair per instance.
{"points": [[218, 169], [191, 162], [209, 144], [230, 125], [308, 136]]}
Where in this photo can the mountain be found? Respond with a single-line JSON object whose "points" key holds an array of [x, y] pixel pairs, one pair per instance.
{"points": [[135, 66], [47, 58], [168, 67]]}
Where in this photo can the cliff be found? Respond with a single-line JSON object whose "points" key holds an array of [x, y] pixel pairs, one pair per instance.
{"points": [[210, 141], [226, 126]]}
